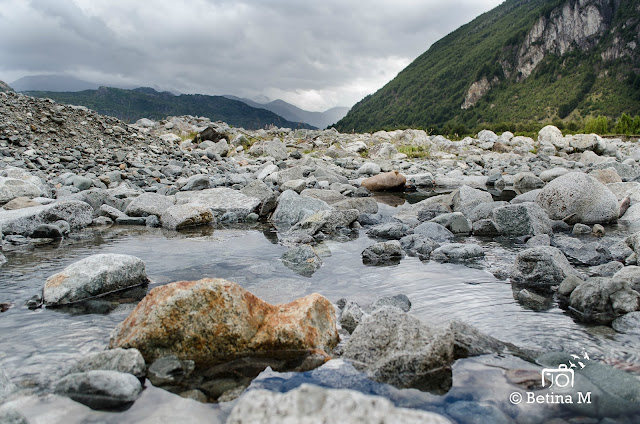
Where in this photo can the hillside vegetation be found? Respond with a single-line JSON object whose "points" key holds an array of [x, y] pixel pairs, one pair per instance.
{"points": [[578, 78], [131, 105]]}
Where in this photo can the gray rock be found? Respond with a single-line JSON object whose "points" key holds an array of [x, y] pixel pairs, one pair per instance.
{"points": [[522, 219], [457, 252], [399, 301], [455, 222], [100, 389], [434, 231], [369, 168], [149, 204], [607, 270], [532, 300], [94, 276], [329, 196], [528, 197], [552, 174], [311, 404], [11, 188], [110, 212], [276, 149], [388, 231], [541, 268], [220, 201], [581, 253], [47, 231], [466, 199], [601, 300], [122, 360], [620, 251], [577, 197], [628, 323], [302, 259], [293, 208], [293, 173], [295, 185], [419, 245], [361, 204], [484, 227], [630, 275], [24, 221], [197, 182], [433, 210], [131, 220], [169, 370], [581, 229], [11, 416], [351, 316], [485, 210], [527, 181], [541, 240], [327, 221], [178, 217], [221, 148], [383, 253]]}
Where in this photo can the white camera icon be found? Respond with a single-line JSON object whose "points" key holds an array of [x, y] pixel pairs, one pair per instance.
{"points": [[559, 377]]}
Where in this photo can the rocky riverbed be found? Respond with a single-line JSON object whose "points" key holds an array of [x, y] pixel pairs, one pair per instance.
{"points": [[184, 269]]}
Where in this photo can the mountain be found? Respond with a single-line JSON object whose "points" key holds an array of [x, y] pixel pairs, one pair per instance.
{"points": [[131, 105], [52, 83], [4, 87], [295, 114], [524, 63]]}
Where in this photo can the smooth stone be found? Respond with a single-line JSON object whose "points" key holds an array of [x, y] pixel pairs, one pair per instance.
{"points": [[383, 253], [102, 390], [123, 360], [148, 204], [388, 231], [220, 201], [94, 276], [178, 217], [457, 252], [384, 182], [577, 197]]}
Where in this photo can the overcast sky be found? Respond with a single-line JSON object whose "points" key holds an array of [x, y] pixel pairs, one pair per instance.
{"points": [[313, 53]]}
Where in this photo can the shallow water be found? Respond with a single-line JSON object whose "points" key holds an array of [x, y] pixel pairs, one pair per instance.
{"points": [[37, 346]]}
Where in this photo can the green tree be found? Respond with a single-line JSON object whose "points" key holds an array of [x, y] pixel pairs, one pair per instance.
{"points": [[624, 125], [599, 125]]}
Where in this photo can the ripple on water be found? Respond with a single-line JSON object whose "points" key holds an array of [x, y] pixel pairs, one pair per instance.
{"points": [[39, 344]]}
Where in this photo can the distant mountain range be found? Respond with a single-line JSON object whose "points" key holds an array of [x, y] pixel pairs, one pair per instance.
{"points": [[523, 64], [53, 83], [131, 105], [295, 114]]}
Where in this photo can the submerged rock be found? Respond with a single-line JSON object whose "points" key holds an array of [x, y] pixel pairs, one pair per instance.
{"points": [[302, 259], [100, 389], [316, 405], [94, 276], [213, 321], [541, 267], [388, 252]]}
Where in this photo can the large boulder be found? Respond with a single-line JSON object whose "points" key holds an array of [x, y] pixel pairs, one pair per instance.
{"points": [[311, 404], [601, 300], [522, 219], [220, 200], [578, 197], [10, 188], [396, 348], [25, 221], [385, 182], [541, 268], [100, 389], [178, 217], [214, 321], [466, 199], [149, 204], [94, 276], [293, 208]]}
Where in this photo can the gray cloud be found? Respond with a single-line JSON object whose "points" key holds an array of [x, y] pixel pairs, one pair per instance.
{"points": [[314, 54]]}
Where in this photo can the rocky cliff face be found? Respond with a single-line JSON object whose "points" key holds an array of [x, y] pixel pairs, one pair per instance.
{"points": [[578, 24]]}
